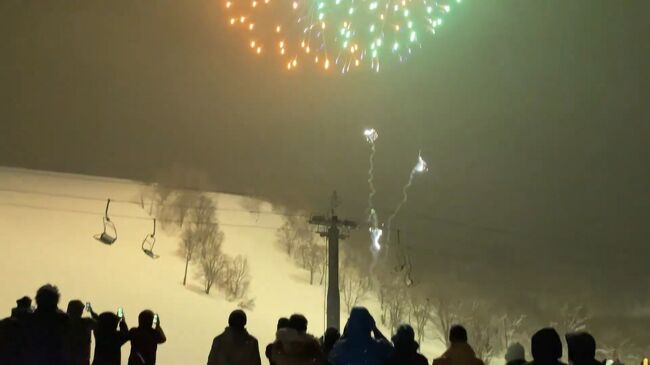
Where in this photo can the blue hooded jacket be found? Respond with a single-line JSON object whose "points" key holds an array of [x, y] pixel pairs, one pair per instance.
{"points": [[356, 346]]}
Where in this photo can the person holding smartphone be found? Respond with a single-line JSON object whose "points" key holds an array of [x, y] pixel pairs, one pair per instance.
{"points": [[79, 332], [145, 339], [109, 340]]}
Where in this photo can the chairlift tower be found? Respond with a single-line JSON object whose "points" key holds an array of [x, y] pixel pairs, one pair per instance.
{"points": [[333, 230]]}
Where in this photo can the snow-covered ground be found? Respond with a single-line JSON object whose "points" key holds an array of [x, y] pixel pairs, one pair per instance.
{"points": [[46, 236]]}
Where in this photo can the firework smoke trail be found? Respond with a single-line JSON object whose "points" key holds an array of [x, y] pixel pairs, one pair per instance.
{"points": [[420, 167], [371, 136], [371, 177]]}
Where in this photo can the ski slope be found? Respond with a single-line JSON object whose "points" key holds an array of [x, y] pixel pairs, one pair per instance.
{"points": [[46, 236]]}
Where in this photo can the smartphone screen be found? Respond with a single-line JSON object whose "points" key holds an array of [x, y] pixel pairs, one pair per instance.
{"points": [[120, 312], [155, 320], [87, 306]]}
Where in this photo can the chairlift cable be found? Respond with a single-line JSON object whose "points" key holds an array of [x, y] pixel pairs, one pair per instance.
{"points": [[125, 201], [126, 216]]}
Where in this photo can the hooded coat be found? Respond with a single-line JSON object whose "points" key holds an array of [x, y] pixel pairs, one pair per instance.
{"points": [[356, 346], [458, 354], [295, 348], [234, 347]]}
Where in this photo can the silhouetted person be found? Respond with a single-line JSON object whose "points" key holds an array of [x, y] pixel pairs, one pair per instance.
{"points": [[357, 345], [282, 323], [23, 308], [79, 334], [109, 340], [546, 347], [329, 339], [515, 354], [582, 349], [145, 340], [46, 329], [13, 333], [459, 352], [406, 348], [235, 345], [293, 346]]}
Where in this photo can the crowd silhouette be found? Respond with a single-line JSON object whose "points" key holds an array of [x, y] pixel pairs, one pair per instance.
{"points": [[45, 335]]}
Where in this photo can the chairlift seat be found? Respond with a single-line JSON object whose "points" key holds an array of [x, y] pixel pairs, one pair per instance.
{"points": [[150, 253], [106, 238], [109, 235], [149, 242], [147, 246]]}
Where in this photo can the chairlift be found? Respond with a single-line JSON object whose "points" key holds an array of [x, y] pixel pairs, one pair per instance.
{"points": [[109, 234], [405, 267], [149, 241]]}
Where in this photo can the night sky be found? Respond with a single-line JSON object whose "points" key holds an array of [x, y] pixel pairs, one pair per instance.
{"points": [[533, 115]]}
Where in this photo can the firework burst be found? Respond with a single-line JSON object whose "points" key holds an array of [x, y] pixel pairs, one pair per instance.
{"points": [[337, 34]]}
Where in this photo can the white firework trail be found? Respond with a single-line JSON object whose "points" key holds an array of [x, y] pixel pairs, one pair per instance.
{"points": [[420, 167], [371, 136]]}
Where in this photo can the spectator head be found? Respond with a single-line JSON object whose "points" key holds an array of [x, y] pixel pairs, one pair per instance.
{"points": [[145, 319], [75, 308], [237, 319], [283, 323], [47, 297], [298, 322], [515, 352], [107, 322], [457, 334], [404, 339], [360, 323], [546, 345], [582, 347], [24, 303]]}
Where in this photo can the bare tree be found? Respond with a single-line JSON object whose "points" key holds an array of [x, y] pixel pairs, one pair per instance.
{"points": [[420, 311], [396, 306], [159, 193], [482, 328], [212, 261], [353, 286], [202, 227], [236, 278], [310, 255], [292, 232], [622, 350], [323, 266], [572, 318], [183, 204], [205, 210], [510, 328], [444, 315]]}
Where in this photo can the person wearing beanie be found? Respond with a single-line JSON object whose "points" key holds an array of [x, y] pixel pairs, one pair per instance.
{"points": [[582, 349], [459, 352], [516, 354], [282, 323], [546, 347], [294, 346], [406, 348], [235, 345]]}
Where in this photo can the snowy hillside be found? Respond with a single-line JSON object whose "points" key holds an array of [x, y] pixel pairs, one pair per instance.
{"points": [[46, 235]]}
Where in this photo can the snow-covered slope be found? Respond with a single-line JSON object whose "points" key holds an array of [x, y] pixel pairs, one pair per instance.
{"points": [[46, 235]]}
